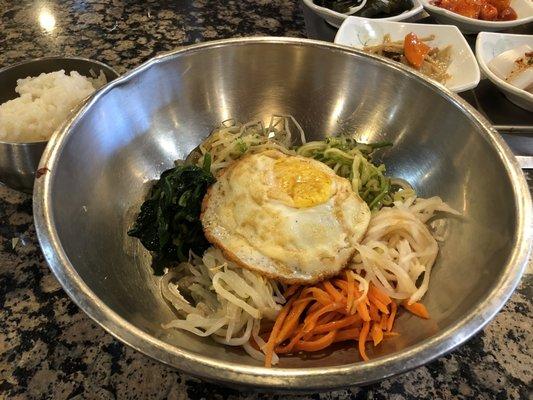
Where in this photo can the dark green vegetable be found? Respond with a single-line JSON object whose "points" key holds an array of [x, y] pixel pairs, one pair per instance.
{"points": [[340, 6], [169, 221], [384, 8], [372, 8]]}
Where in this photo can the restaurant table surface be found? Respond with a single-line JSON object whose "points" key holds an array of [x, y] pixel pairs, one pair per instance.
{"points": [[50, 349]]}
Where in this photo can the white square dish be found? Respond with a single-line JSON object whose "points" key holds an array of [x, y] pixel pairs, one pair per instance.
{"points": [[488, 46], [464, 71]]}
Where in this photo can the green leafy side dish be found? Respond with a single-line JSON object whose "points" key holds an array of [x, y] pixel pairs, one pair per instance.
{"points": [[169, 221], [372, 8], [340, 6]]}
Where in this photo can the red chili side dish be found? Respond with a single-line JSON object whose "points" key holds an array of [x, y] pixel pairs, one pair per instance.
{"points": [[488, 10]]}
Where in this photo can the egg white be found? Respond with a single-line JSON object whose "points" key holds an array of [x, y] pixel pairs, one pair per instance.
{"points": [[255, 226]]}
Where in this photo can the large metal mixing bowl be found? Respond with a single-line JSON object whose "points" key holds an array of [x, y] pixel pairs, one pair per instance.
{"points": [[138, 125]]}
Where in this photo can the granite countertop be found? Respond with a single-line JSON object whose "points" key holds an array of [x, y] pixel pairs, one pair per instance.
{"points": [[50, 349]]}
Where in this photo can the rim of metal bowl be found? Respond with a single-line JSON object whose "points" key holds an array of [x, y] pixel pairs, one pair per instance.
{"points": [[51, 58], [302, 379]]}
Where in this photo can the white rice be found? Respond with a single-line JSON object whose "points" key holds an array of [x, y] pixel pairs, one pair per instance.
{"points": [[43, 104]]}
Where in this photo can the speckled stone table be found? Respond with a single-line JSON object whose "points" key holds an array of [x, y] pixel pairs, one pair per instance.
{"points": [[49, 349]]}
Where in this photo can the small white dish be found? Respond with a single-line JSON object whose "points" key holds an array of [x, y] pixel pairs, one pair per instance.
{"points": [[336, 19], [490, 45], [523, 8], [464, 71]]}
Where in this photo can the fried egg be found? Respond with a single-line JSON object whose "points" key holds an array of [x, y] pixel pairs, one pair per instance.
{"points": [[287, 217]]}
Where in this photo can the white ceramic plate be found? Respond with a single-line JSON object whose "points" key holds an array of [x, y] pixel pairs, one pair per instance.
{"points": [[488, 46], [360, 32], [523, 8], [336, 19]]}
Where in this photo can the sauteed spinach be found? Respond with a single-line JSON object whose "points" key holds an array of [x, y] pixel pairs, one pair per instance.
{"points": [[169, 221]]}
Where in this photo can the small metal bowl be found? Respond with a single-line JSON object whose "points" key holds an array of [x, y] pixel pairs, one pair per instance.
{"points": [[19, 161]]}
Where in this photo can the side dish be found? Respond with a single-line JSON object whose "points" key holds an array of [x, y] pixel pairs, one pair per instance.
{"points": [[488, 10], [416, 53], [515, 67], [340, 6], [282, 248], [372, 8], [43, 104]]}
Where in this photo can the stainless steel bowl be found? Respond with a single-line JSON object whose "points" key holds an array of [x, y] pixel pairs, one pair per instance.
{"points": [[132, 130], [18, 161]]}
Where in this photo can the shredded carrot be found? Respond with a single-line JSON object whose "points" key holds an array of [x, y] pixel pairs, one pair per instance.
{"points": [[392, 315], [358, 300], [332, 316], [344, 286], [333, 311], [373, 291], [339, 324], [374, 312], [319, 294], [339, 298], [291, 322], [350, 290], [290, 346], [380, 306], [417, 309], [315, 307], [291, 290], [324, 319], [318, 344], [311, 320], [383, 324], [377, 333], [347, 334], [269, 348], [362, 340], [303, 300], [362, 310], [341, 284]]}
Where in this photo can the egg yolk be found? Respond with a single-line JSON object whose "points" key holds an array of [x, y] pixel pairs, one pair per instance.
{"points": [[304, 184]]}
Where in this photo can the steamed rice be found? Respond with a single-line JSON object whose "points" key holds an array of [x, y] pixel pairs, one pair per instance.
{"points": [[44, 102]]}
